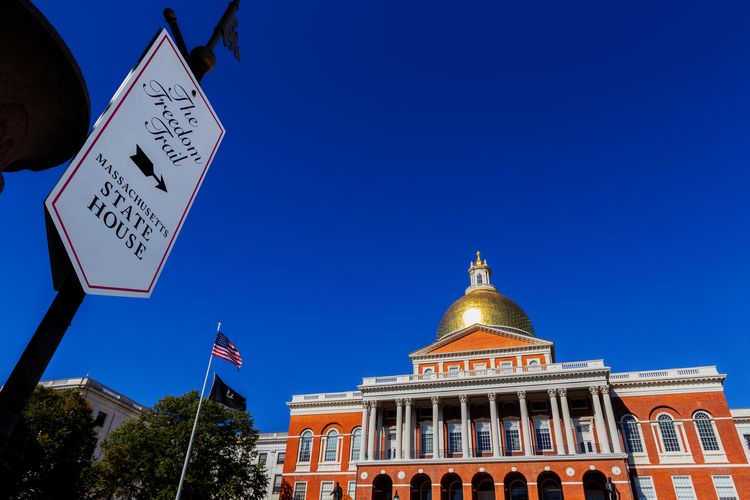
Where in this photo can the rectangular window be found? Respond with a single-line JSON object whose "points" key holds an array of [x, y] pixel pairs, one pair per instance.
{"points": [[669, 435], [632, 434], [453, 371], [538, 406], [101, 417], [262, 458], [725, 489], [579, 404], [480, 368], [326, 488], [483, 437], [746, 437], [426, 438], [280, 458], [277, 483], [644, 488], [512, 436], [683, 488], [300, 490], [506, 365], [542, 435], [454, 438], [391, 444], [351, 489]]}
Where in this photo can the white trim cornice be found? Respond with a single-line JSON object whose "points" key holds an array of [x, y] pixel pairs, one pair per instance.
{"points": [[500, 331], [482, 353]]}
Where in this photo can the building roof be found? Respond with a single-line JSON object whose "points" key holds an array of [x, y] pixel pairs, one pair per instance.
{"points": [[97, 387], [482, 303]]}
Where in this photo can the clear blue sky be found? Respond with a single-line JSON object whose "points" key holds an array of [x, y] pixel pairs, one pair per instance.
{"points": [[597, 153]]}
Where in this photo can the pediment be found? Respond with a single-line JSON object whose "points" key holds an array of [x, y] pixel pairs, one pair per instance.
{"points": [[480, 338]]}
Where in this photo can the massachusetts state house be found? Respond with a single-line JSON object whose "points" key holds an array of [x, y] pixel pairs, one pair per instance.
{"points": [[488, 413]]}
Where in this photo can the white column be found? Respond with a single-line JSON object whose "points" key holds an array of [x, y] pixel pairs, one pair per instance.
{"points": [[469, 433], [441, 433], [363, 434], [371, 430], [435, 434], [494, 431], [399, 423], [601, 430], [566, 421], [464, 423], [524, 423], [611, 422], [408, 428], [556, 421]]}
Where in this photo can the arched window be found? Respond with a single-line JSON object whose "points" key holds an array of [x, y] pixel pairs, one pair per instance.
{"points": [[631, 431], [356, 443], [668, 433], [428, 373], [332, 446], [305, 445], [706, 431]]}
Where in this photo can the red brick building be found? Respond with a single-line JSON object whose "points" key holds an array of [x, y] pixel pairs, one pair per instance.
{"points": [[489, 413]]}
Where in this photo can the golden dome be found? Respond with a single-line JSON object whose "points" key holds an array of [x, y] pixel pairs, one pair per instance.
{"points": [[483, 304]]}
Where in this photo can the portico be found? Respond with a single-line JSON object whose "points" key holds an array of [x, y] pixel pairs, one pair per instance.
{"points": [[449, 418]]}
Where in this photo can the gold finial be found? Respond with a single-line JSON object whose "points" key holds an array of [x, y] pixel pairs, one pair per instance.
{"points": [[479, 259]]}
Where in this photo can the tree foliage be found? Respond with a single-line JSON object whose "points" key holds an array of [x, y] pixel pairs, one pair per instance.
{"points": [[50, 449], [143, 457]]}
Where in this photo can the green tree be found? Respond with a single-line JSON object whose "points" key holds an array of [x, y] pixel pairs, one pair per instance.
{"points": [[143, 457], [50, 449]]}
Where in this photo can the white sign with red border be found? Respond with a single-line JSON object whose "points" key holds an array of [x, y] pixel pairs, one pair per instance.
{"points": [[121, 203]]}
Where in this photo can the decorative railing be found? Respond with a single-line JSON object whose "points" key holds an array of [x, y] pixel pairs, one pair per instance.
{"points": [[298, 398], [699, 371], [487, 372], [582, 448]]}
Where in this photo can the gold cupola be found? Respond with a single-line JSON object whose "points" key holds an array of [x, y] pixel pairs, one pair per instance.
{"points": [[482, 304]]}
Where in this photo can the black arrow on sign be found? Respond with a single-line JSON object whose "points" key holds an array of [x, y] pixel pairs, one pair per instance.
{"points": [[146, 166]]}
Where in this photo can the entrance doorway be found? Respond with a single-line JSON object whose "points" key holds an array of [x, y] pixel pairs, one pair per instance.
{"points": [[584, 435], [483, 487], [452, 487], [550, 487], [594, 485], [421, 487], [382, 487], [515, 487]]}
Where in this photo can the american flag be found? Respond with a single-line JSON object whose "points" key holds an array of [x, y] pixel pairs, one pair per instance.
{"points": [[224, 349]]}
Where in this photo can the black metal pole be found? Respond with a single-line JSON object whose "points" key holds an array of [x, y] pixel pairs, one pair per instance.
{"points": [[37, 355], [202, 58]]}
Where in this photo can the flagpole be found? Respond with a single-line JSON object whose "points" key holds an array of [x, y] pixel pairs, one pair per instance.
{"points": [[195, 422]]}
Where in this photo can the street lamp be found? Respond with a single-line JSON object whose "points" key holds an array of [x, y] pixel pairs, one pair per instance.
{"points": [[396, 497], [44, 103]]}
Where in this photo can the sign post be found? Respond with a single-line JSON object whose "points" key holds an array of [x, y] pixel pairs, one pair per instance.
{"points": [[119, 206]]}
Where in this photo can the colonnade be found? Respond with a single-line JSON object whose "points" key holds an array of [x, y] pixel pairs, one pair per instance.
{"points": [[604, 421]]}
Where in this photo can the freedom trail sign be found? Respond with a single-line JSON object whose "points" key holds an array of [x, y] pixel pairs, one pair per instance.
{"points": [[121, 203]]}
